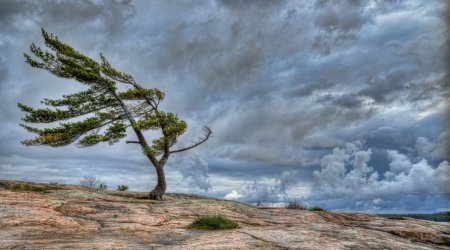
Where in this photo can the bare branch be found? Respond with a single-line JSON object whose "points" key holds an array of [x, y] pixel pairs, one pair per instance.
{"points": [[207, 134], [133, 142], [90, 181]]}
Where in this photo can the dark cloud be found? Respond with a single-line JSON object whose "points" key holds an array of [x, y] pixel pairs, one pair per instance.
{"points": [[10, 8], [347, 101], [109, 14], [338, 22], [242, 5], [382, 89], [307, 90], [446, 54], [281, 83]]}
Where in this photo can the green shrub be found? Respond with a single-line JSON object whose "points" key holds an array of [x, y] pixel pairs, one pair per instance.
{"points": [[122, 188], [213, 222], [294, 204], [316, 209], [102, 187], [21, 186]]}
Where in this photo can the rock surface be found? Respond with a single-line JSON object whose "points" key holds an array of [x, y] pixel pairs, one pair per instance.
{"points": [[72, 217]]}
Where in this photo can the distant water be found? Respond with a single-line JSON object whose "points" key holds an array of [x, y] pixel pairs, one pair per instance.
{"points": [[443, 222]]}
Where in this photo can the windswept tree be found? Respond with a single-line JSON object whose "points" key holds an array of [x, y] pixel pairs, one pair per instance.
{"points": [[112, 102]]}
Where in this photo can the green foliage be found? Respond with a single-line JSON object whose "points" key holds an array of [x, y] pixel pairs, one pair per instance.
{"points": [[114, 74], [169, 123], [65, 134], [113, 134], [122, 188], [102, 187], [319, 209], [78, 104], [21, 186], [295, 204], [102, 112], [151, 150], [213, 222], [141, 94], [109, 115]]}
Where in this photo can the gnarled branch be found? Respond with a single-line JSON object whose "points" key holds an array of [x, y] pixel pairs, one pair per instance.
{"points": [[207, 134]]}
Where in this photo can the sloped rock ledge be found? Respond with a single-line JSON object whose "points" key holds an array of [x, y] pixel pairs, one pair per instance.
{"points": [[73, 217]]}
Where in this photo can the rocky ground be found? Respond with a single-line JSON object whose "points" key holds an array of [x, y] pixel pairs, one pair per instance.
{"points": [[38, 216]]}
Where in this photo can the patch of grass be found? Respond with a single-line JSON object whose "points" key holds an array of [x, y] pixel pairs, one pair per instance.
{"points": [[294, 204], [19, 186], [213, 222], [122, 188], [317, 209]]}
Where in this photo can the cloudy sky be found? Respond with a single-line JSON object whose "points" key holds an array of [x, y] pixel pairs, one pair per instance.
{"points": [[340, 104]]}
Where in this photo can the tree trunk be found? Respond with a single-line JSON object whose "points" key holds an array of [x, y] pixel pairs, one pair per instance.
{"points": [[160, 189]]}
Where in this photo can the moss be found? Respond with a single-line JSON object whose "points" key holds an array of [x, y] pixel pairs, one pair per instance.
{"points": [[19, 186], [317, 209], [213, 222]]}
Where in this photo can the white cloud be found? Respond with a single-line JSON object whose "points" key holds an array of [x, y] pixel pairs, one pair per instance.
{"points": [[346, 175], [195, 172], [442, 175], [399, 163], [233, 195], [273, 190]]}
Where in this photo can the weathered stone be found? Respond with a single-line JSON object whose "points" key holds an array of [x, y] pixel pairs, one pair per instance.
{"points": [[75, 217]]}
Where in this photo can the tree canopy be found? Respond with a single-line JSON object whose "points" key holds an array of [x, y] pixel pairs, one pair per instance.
{"points": [[102, 112]]}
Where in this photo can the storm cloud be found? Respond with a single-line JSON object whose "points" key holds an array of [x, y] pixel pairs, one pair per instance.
{"points": [[346, 178], [286, 87]]}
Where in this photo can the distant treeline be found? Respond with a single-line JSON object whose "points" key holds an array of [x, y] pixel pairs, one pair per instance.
{"points": [[440, 217]]}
